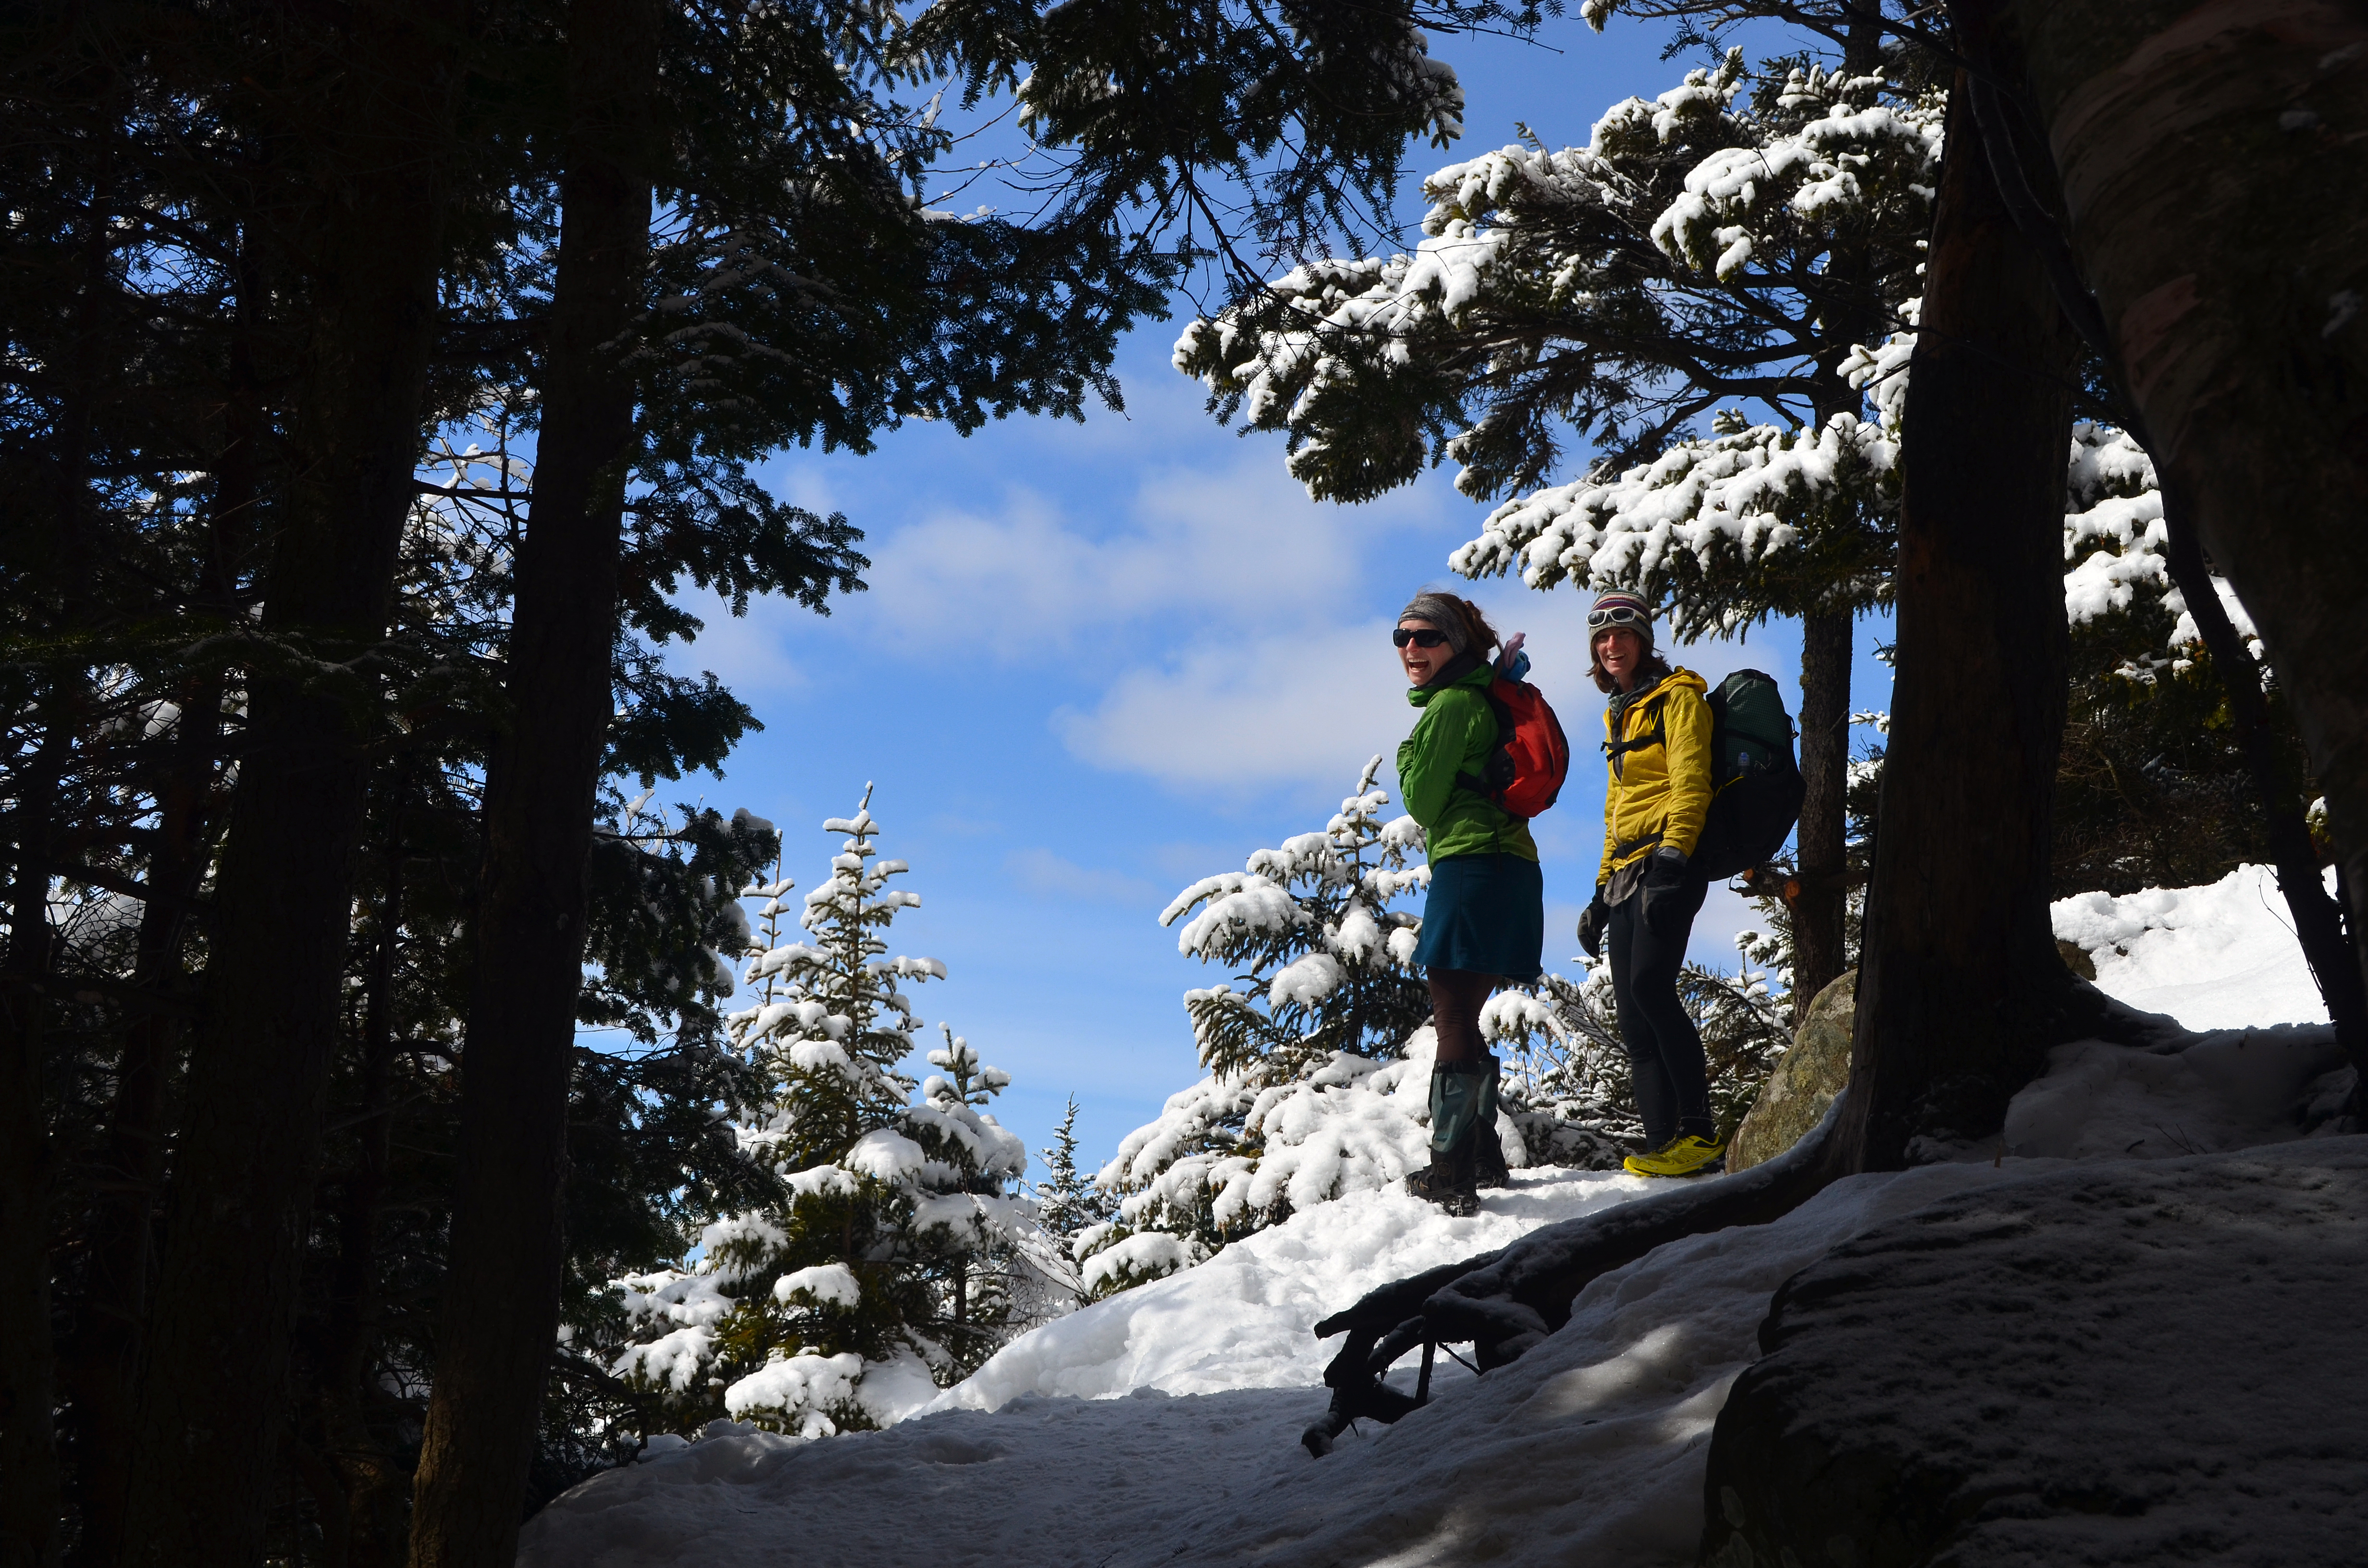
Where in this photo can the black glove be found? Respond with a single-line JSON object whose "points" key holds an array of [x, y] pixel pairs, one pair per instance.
{"points": [[1591, 921], [1664, 880]]}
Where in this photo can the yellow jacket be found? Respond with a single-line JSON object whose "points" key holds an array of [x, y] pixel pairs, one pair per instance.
{"points": [[1660, 786]]}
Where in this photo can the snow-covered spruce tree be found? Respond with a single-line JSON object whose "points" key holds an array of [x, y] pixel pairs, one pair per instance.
{"points": [[1067, 1203], [1315, 1017], [1736, 243], [1304, 1045], [1067, 1199], [1322, 960], [881, 1269]]}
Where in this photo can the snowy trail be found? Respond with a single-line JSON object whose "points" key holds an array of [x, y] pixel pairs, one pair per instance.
{"points": [[1241, 1319], [1588, 1450]]}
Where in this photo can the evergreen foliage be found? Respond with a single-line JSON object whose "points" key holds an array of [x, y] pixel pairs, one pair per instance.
{"points": [[886, 1260], [1322, 961], [1067, 1199]]}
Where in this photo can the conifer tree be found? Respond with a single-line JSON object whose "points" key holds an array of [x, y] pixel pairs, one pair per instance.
{"points": [[884, 1267], [1323, 961], [1327, 1000], [1743, 242], [1067, 1199]]}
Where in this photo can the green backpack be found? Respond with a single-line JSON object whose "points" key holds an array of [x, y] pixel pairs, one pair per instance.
{"points": [[1755, 781]]}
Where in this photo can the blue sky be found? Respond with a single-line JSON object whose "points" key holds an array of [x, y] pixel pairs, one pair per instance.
{"points": [[1097, 662]]}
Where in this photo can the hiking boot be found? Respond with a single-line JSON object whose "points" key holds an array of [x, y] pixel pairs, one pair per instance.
{"points": [[1686, 1155], [1488, 1167], [1444, 1184]]}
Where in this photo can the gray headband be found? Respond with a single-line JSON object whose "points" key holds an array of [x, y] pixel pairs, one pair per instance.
{"points": [[1440, 611]]}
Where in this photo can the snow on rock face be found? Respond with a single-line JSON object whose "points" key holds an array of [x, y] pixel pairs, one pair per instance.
{"points": [[2227, 1089], [1593, 1448], [2216, 957], [2113, 1363], [1589, 1448]]}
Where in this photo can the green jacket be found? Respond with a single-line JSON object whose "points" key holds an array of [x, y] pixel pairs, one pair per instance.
{"points": [[1455, 733]]}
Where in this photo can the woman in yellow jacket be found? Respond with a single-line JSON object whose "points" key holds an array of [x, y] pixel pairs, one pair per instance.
{"points": [[1656, 731]]}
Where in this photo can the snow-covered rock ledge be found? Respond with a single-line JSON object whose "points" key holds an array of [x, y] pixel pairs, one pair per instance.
{"points": [[2101, 1363], [1591, 1448]]}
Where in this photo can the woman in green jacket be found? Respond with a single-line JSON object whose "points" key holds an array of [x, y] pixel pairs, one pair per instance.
{"points": [[1483, 922]]}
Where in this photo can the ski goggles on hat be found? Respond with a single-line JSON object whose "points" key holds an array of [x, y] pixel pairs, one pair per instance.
{"points": [[1425, 637], [1602, 616]]}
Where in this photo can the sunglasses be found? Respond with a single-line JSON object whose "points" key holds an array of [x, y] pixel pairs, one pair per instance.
{"points": [[1616, 615], [1426, 638]]}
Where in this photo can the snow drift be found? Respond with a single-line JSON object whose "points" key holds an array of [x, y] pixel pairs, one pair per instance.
{"points": [[1588, 1448]]}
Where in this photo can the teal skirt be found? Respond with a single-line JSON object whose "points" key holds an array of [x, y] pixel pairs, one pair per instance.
{"points": [[1485, 914]]}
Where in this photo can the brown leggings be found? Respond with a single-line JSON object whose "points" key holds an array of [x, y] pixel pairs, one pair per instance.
{"points": [[1456, 997]]}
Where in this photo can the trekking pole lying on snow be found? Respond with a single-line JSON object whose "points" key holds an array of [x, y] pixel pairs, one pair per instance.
{"points": [[1505, 1302]]}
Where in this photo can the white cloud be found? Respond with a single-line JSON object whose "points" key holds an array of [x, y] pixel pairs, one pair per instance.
{"points": [[1238, 546], [1238, 714], [1040, 870], [745, 650]]}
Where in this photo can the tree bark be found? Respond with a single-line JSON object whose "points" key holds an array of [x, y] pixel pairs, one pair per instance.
{"points": [[2318, 919], [104, 1393], [500, 1311], [2212, 158], [365, 1528], [100, 1377], [30, 1495], [1960, 990], [1819, 910], [1818, 900], [218, 1360]]}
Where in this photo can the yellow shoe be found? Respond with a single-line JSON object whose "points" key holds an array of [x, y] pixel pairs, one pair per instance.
{"points": [[1679, 1156]]}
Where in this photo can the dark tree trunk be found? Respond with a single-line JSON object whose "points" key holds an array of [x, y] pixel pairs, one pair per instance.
{"points": [[502, 1284], [2318, 919], [30, 1498], [2212, 160], [365, 1528], [56, 546], [1818, 909], [115, 1292], [215, 1391], [1818, 900], [1960, 990], [105, 1396]]}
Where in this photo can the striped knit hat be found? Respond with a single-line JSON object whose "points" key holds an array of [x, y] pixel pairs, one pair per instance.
{"points": [[1621, 608]]}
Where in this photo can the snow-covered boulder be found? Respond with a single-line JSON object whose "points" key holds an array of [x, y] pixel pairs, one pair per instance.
{"points": [[2107, 1363]]}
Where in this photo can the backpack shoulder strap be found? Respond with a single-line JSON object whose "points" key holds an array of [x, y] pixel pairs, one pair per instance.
{"points": [[1505, 725], [1652, 737]]}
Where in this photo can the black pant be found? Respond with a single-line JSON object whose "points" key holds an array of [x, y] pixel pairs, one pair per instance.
{"points": [[1456, 997], [1665, 1051]]}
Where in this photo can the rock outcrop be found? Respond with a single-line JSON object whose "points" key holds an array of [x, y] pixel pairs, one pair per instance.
{"points": [[1805, 1081], [2144, 1362]]}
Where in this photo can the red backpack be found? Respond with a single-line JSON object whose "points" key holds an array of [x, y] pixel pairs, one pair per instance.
{"points": [[1531, 758]]}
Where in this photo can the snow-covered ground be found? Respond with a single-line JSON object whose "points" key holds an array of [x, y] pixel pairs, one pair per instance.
{"points": [[2220, 957], [1161, 1425], [1239, 1321]]}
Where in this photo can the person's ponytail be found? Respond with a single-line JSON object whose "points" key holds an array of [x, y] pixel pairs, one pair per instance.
{"points": [[1475, 626]]}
